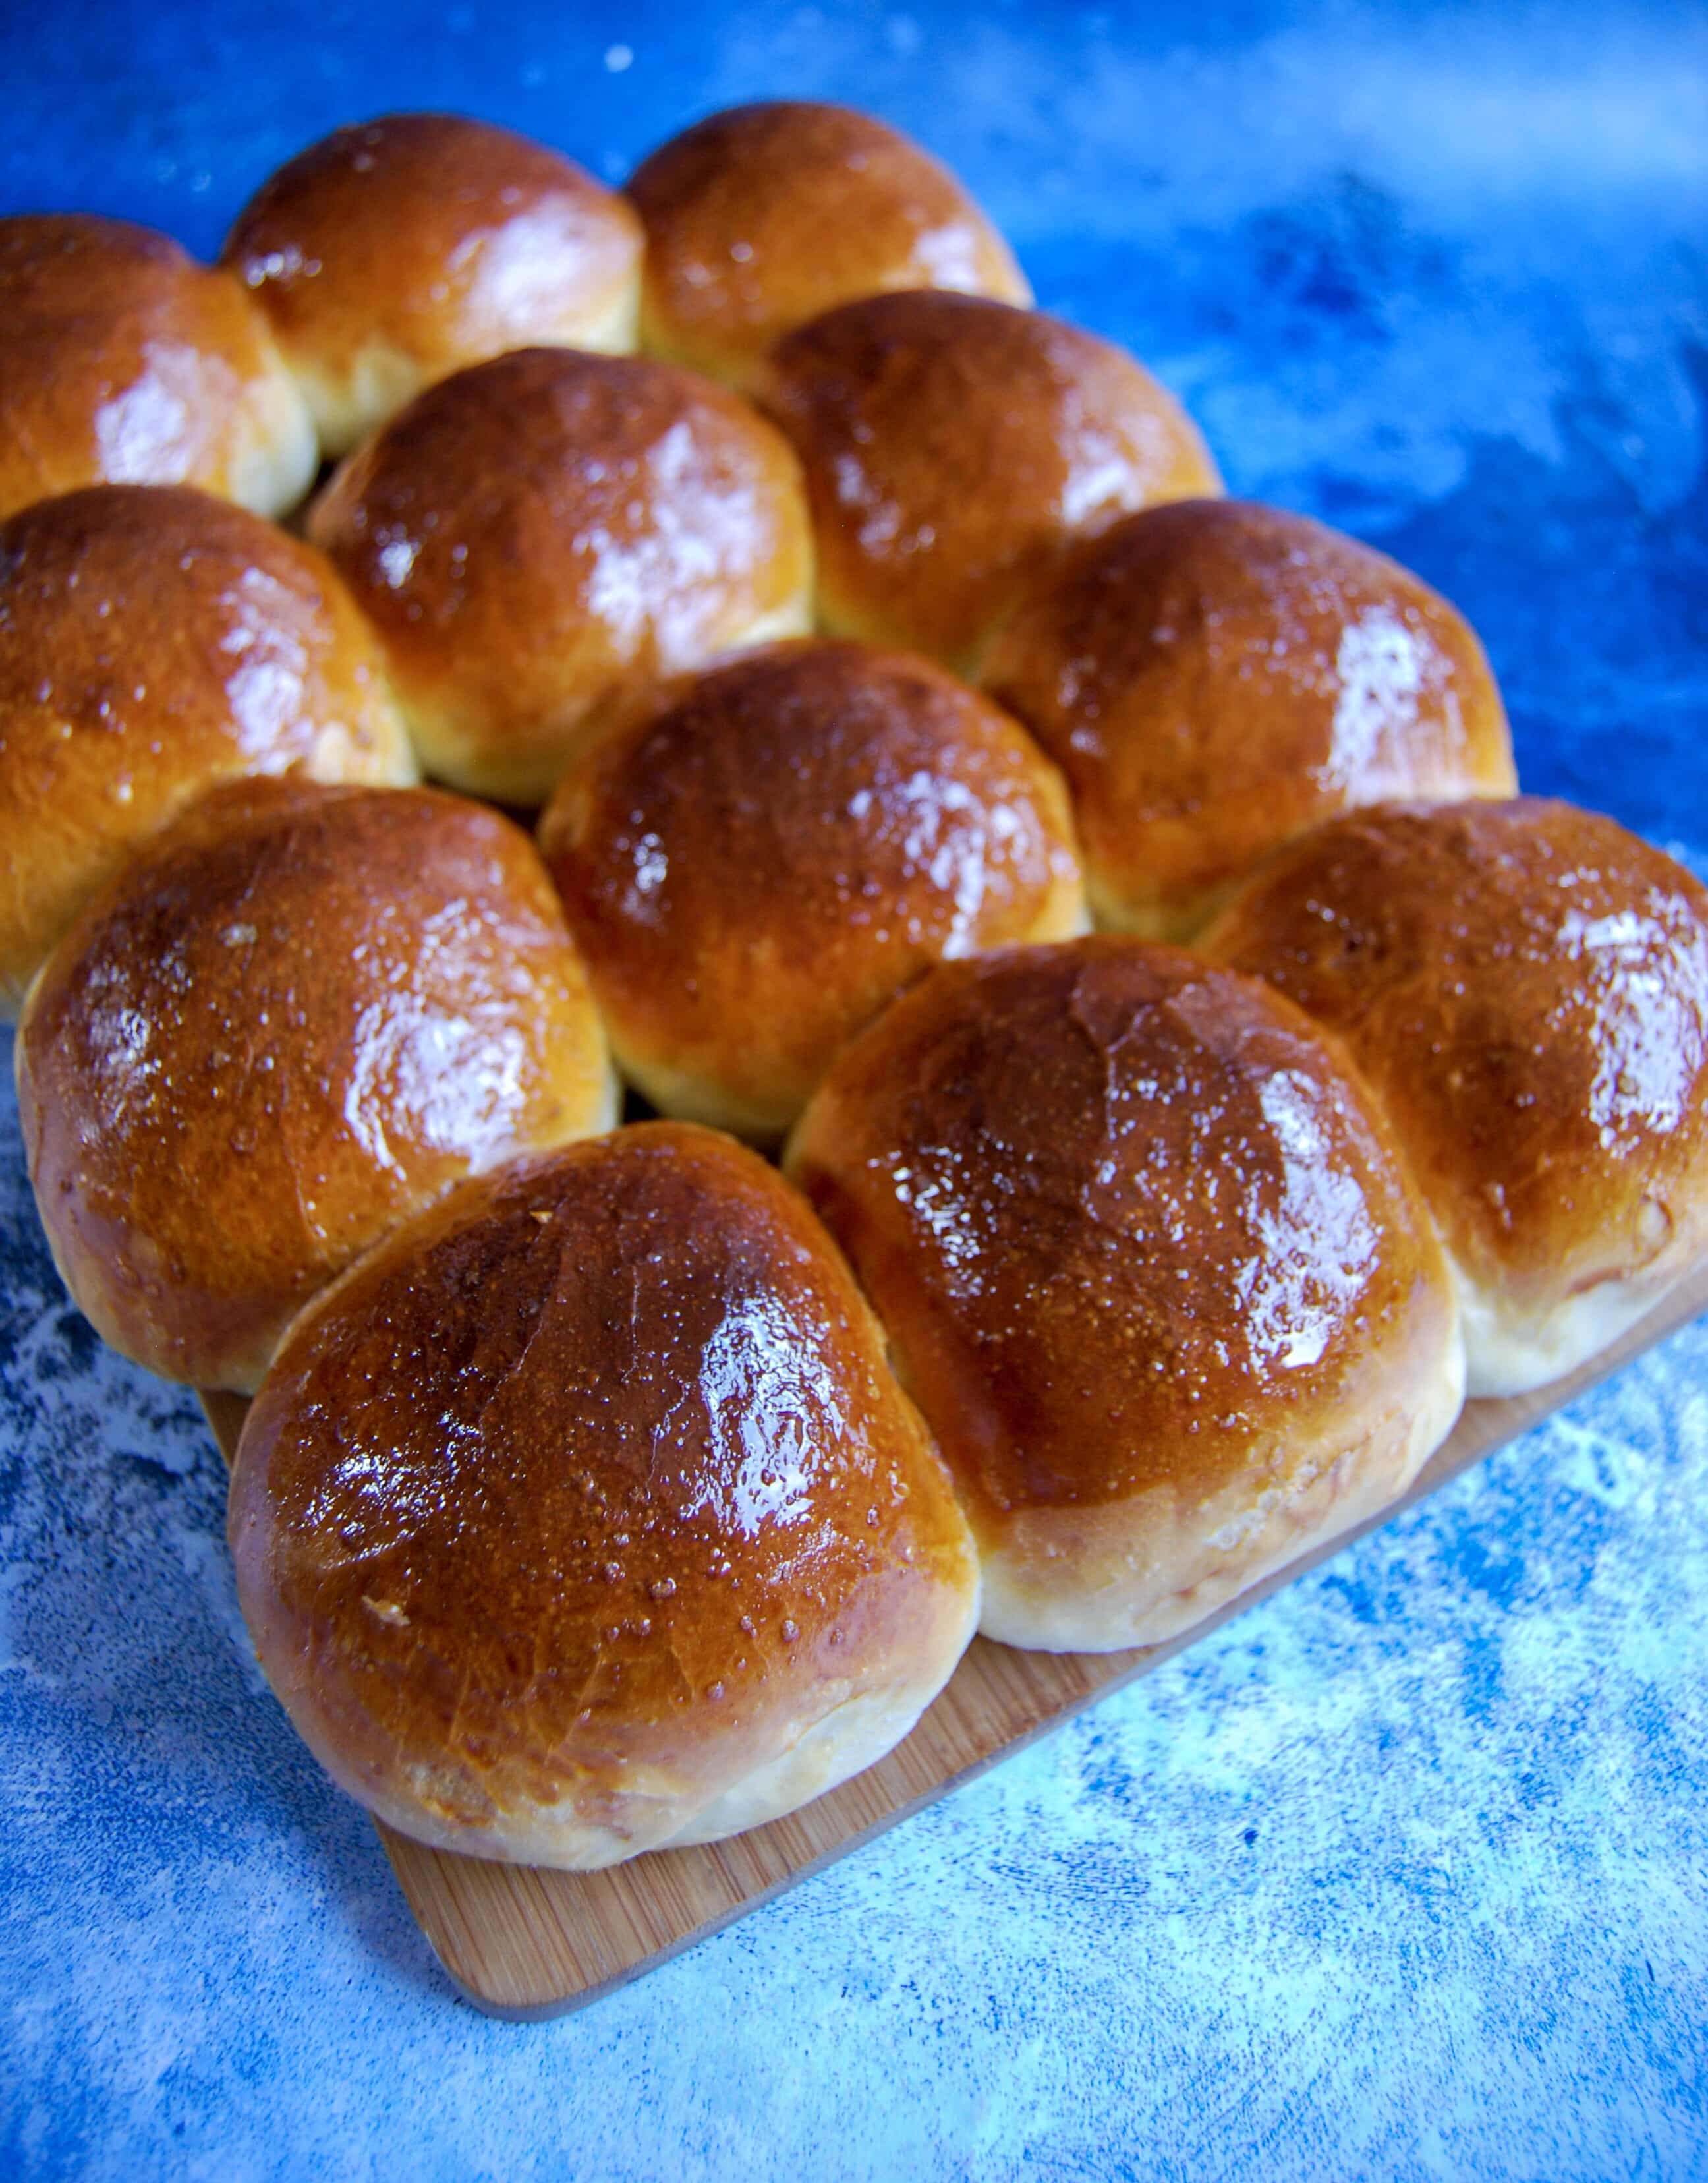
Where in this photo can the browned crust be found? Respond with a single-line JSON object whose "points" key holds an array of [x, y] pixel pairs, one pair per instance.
{"points": [[1137, 1233], [588, 1490], [754, 868], [953, 446], [154, 641], [1526, 985], [296, 1018], [761, 217], [122, 359], [447, 239], [1214, 677], [538, 538]]}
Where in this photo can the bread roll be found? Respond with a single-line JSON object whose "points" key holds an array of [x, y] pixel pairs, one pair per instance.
{"points": [[1525, 986], [538, 538], [153, 642], [123, 360], [395, 251], [1150, 1265], [759, 218], [953, 446], [1215, 677], [756, 866], [298, 1017], [585, 1516]]}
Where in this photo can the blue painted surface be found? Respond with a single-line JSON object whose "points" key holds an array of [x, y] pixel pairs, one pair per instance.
{"points": [[1405, 1876]]}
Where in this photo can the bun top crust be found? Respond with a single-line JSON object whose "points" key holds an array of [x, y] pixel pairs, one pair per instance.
{"points": [[540, 537], [1214, 677], [122, 359], [589, 1489], [299, 1014], [905, 409], [419, 242], [1526, 985], [1126, 1217], [761, 217], [153, 640], [755, 867]]}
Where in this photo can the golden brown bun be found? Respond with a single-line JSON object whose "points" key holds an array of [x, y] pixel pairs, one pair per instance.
{"points": [[539, 538], [395, 251], [1150, 1265], [754, 868], [953, 446], [759, 218], [584, 1515], [1526, 987], [153, 642], [299, 1015], [122, 360], [1215, 677]]}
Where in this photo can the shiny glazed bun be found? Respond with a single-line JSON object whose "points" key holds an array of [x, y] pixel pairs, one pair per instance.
{"points": [[395, 251], [1215, 677], [538, 538], [952, 447], [153, 642], [298, 1016], [1152, 1268], [123, 360], [755, 867], [1525, 986], [759, 218], [585, 1516]]}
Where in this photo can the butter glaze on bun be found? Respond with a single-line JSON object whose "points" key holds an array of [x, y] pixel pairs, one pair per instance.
{"points": [[124, 361], [396, 251], [154, 641], [954, 445], [298, 1016], [584, 1515], [541, 538], [1150, 1265], [761, 217], [1215, 677], [754, 868], [1525, 984]]}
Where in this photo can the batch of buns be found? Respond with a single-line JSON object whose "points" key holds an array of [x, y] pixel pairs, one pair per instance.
{"points": [[1192, 1064]]}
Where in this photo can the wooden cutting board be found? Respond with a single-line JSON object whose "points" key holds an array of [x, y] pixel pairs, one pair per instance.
{"points": [[525, 1943]]}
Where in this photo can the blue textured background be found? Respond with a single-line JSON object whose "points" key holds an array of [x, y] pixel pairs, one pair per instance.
{"points": [[1406, 1875]]}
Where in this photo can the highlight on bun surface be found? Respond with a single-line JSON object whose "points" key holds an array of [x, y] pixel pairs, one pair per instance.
{"points": [[153, 642], [123, 361], [1215, 677], [299, 1014], [398, 250], [538, 539], [1525, 985], [953, 446], [761, 217], [1151, 1265], [584, 1515], [755, 865]]}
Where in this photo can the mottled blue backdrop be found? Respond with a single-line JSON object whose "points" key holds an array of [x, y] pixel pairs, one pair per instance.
{"points": [[1406, 1874]]}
